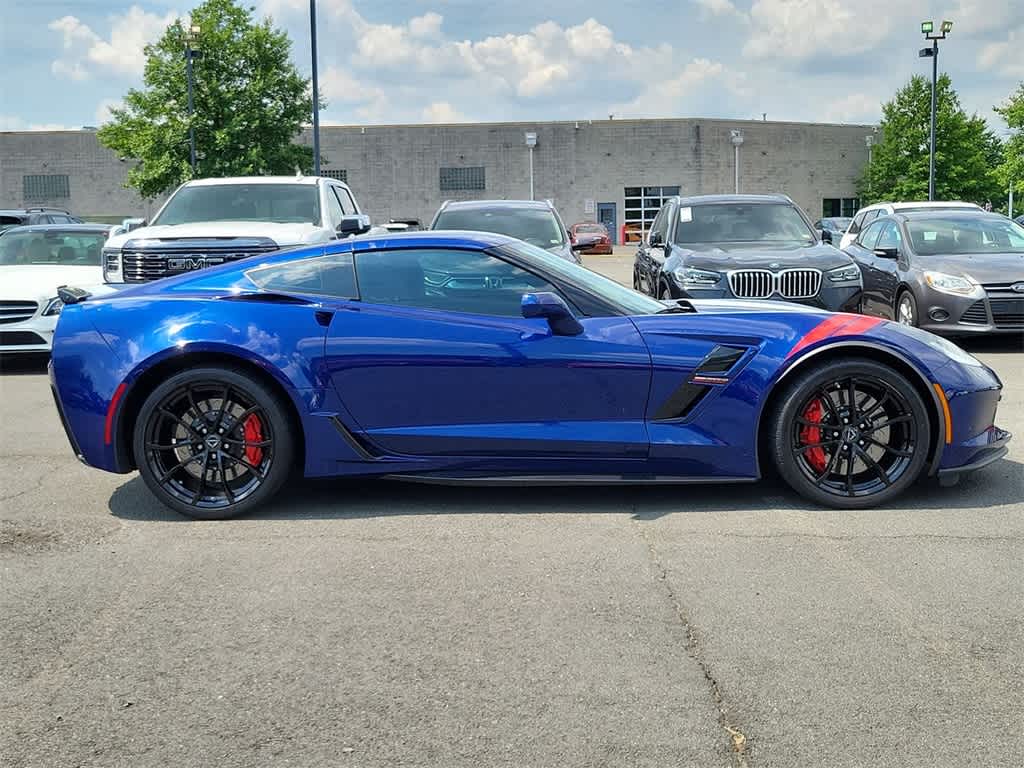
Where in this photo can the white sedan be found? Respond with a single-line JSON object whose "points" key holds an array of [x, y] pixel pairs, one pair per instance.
{"points": [[34, 261]]}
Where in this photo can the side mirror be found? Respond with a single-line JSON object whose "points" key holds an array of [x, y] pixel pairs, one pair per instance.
{"points": [[655, 240], [131, 224], [826, 236], [355, 224], [550, 305], [886, 253]]}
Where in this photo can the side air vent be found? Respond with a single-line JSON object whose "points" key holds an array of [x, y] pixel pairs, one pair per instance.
{"points": [[681, 402], [721, 359]]}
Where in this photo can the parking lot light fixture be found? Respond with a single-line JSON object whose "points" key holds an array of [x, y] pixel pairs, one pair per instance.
{"points": [[191, 54], [531, 142], [736, 137], [927, 29]]}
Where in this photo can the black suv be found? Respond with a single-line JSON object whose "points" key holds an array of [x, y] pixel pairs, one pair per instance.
{"points": [[30, 216], [744, 247]]}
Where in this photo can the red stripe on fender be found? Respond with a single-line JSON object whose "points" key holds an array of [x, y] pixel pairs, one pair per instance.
{"points": [[108, 436], [841, 324]]}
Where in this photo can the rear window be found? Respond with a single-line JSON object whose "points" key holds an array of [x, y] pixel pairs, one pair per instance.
{"points": [[80, 249], [536, 226]]}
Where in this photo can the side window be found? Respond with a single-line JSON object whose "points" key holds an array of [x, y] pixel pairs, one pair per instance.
{"points": [[867, 238], [334, 210], [858, 223], [347, 203], [658, 225], [890, 235], [450, 280], [331, 275]]}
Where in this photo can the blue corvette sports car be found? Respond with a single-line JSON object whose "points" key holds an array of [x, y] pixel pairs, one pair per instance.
{"points": [[475, 358]]}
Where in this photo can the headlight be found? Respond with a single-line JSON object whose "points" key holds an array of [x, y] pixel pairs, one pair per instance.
{"points": [[53, 307], [112, 265], [690, 276], [844, 274], [954, 284]]}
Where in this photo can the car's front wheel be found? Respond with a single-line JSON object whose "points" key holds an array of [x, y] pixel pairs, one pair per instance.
{"points": [[906, 309], [850, 435], [213, 443]]}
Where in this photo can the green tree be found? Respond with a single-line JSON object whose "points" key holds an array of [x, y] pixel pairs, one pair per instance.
{"points": [[1011, 169], [966, 150], [250, 103]]}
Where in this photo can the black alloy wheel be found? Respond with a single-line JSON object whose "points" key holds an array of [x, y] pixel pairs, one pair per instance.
{"points": [[212, 443], [850, 435]]}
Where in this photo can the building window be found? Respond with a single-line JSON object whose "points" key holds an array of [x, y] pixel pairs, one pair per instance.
{"points": [[470, 179], [45, 187], [338, 175], [839, 206], [642, 205]]}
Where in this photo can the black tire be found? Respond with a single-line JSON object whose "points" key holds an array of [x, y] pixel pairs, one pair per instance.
{"points": [[664, 292], [906, 302], [636, 280], [232, 423], [886, 433]]}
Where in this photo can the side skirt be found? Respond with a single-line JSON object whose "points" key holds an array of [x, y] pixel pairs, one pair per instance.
{"points": [[549, 480]]}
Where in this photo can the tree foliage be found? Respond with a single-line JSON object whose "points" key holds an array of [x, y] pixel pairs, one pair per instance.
{"points": [[250, 103], [1012, 167], [966, 150]]}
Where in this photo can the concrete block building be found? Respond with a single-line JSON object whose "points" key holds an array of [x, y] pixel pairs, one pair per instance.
{"points": [[614, 171]]}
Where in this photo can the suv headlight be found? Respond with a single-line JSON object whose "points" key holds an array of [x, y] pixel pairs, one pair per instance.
{"points": [[112, 265], [691, 276], [53, 307], [846, 274], [954, 284]]}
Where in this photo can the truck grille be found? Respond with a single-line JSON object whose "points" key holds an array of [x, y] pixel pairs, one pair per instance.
{"points": [[762, 284], [143, 261], [16, 311]]}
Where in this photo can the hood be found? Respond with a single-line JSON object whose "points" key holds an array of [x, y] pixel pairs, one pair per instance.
{"points": [[742, 306], [39, 281], [721, 257], [983, 268], [282, 234]]}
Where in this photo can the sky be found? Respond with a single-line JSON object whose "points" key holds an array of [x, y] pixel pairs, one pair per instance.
{"points": [[411, 61]]}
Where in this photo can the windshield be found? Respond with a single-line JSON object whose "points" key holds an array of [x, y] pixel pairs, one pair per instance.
{"points": [[955, 236], [590, 229], [278, 203], [80, 249], [536, 226], [742, 223], [631, 302]]}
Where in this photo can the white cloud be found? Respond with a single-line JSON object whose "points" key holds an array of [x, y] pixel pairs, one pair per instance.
{"points": [[370, 102], [799, 30], [103, 109], [720, 8], [1005, 58], [85, 53], [14, 123], [854, 108], [441, 112], [427, 25]]}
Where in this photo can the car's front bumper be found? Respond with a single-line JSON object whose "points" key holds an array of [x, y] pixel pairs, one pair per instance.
{"points": [[951, 315], [32, 335]]}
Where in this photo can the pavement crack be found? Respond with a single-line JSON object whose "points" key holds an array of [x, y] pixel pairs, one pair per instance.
{"points": [[738, 742]]}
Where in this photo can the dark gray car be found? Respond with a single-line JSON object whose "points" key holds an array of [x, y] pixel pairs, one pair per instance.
{"points": [[947, 272], [533, 221]]}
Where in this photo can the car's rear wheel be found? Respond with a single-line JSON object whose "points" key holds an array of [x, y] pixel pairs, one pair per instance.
{"points": [[906, 309], [213, 443], [664, 292], [850, 435]]}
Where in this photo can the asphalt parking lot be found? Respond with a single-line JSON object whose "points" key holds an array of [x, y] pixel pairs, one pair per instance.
{"points": [[356, 624]]}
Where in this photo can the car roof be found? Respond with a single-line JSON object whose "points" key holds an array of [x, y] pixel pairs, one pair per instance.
{"points": [[467, 205], [922, 204], [306, 180], [62, 228], [966, 214], [710, 199]]}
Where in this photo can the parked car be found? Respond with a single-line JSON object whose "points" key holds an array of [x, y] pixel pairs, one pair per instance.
{"points": [[950, 272], [460, 357], [212, 221], [591, 236], [532, 221], [21, 217], [34, 261], [742, 246], [832, 228], [869, 213], [1020, 220]]}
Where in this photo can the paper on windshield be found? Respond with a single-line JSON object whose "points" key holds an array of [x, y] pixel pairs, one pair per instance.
{"points": [[685, 214]]}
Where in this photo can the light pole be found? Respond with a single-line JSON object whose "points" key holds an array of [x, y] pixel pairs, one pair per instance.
{"points": [[316, 90], [927, 29], [191, 53], [736, 137], [531, 142]]}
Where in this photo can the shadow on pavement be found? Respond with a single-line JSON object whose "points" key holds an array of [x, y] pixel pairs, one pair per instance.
{"points": [[1006, 342], [995, 486]]}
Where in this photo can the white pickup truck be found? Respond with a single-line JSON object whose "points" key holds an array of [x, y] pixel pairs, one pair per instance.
{"points": [[212, 221]]}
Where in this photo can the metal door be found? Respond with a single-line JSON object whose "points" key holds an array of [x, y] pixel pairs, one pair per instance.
{"points": [[606, 215]]}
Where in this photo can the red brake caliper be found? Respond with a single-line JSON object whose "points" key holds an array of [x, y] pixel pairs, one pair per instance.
{"points": [[810, 435], [253, 434]]}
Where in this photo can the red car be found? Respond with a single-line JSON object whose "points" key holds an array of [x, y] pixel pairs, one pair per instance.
{"points": [[594, 233]]}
